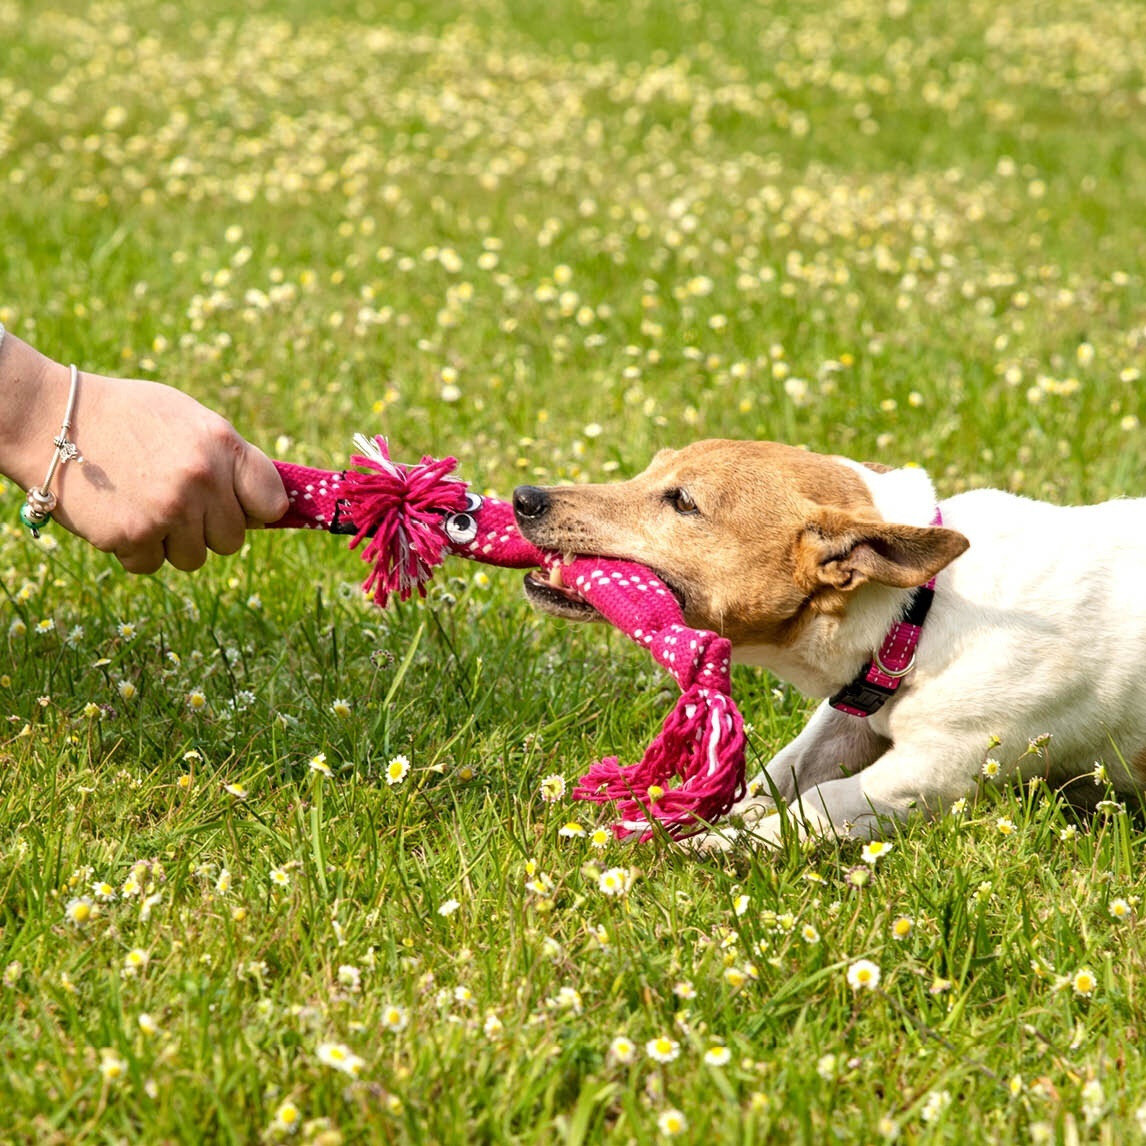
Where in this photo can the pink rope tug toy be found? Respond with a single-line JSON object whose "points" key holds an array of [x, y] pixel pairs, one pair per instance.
{"points": [[412, 517]]}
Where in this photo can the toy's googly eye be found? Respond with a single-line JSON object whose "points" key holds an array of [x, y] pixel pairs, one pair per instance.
{"points": [[474, 502], [461, 528]]}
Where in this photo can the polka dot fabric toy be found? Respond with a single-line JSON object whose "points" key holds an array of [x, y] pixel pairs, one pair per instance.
{"points": [[411, 517]]}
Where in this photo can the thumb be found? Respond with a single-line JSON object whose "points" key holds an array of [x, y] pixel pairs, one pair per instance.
{"points": [[258, 487]]}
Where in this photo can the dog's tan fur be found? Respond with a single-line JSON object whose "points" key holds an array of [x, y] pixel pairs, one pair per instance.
{"points": [[779, 536]]}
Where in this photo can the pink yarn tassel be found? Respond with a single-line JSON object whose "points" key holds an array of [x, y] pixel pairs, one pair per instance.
{"points": [[702, 743], [401, 510]]}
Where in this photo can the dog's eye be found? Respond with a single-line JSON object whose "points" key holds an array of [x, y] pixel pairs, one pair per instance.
{"points": [[681, 501]]}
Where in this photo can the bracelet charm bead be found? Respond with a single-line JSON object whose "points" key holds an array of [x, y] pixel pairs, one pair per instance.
{"points": [[39, 503]]}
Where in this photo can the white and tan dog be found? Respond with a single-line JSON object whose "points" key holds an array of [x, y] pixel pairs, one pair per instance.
{"points": [[1037, 627]]}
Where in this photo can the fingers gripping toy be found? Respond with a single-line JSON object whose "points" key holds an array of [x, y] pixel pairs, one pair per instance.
{"points": [[412, 516]]}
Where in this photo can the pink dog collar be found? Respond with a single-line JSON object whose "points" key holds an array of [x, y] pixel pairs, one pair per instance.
{"points": [[879, 679]]}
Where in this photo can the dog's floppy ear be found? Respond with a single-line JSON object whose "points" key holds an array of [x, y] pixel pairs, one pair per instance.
{"points": [[842, 551]]}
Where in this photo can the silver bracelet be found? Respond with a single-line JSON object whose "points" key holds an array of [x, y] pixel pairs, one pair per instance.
{"points": [[36, 511]]}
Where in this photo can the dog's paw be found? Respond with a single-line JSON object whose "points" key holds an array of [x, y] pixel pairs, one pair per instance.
{"points": [[762, 830]]}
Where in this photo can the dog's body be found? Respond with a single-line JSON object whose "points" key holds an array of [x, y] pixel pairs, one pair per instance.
{"points": [[806, 561]]}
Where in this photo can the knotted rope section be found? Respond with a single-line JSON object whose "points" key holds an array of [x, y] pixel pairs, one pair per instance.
{"points": [[412, 516]]}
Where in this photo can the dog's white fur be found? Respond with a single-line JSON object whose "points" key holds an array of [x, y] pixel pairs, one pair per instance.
{"points": [[1037, 631]]}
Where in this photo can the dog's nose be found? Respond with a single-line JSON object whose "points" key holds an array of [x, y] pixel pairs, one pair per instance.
{"points": [[530, 502]]}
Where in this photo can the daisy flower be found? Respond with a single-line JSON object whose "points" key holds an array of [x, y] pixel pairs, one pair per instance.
{"points": [[902, 927], [571, 830], [1083, 982], [394, 1018], [991, 768], [1005, 825], [600, 837], [622, 1049], [662, 1049], [672, 1123], [684, 990], [613, 881], [237, 790], [1119, 908], [863, 975], [397, 770], [280, 877], [809, 934], [318, 764], [341, 1058], [448, 907], [718, 1056], [136, 960], [287, 1119], [111, 1066], [80, 910], [874, 851], [147, 1024], [223, 883], [340, 708], [552, 788], [493, 1027]]}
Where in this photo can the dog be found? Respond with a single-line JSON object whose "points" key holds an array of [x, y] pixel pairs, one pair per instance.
{"points": [[1012, 631]]}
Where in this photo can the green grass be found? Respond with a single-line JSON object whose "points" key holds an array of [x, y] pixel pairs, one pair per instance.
{"points": [[904, 231]]}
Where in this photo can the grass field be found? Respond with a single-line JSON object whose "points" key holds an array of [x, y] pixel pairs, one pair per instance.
{"points": [[548, 238]]}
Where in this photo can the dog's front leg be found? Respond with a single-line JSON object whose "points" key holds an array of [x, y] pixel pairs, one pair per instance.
{"points": [[924, 777], [831, 745]]}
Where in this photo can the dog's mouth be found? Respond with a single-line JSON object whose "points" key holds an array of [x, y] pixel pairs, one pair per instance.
{"points": [[546, 591]]}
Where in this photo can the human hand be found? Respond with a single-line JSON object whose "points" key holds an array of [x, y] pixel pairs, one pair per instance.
{"points": [[163, 477]]}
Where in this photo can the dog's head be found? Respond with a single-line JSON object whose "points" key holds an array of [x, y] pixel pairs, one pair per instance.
{"points": [[755, 538]]}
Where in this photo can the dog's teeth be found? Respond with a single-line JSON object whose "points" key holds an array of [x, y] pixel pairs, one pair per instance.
{"points": [[568, 558], [555, 578]]}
